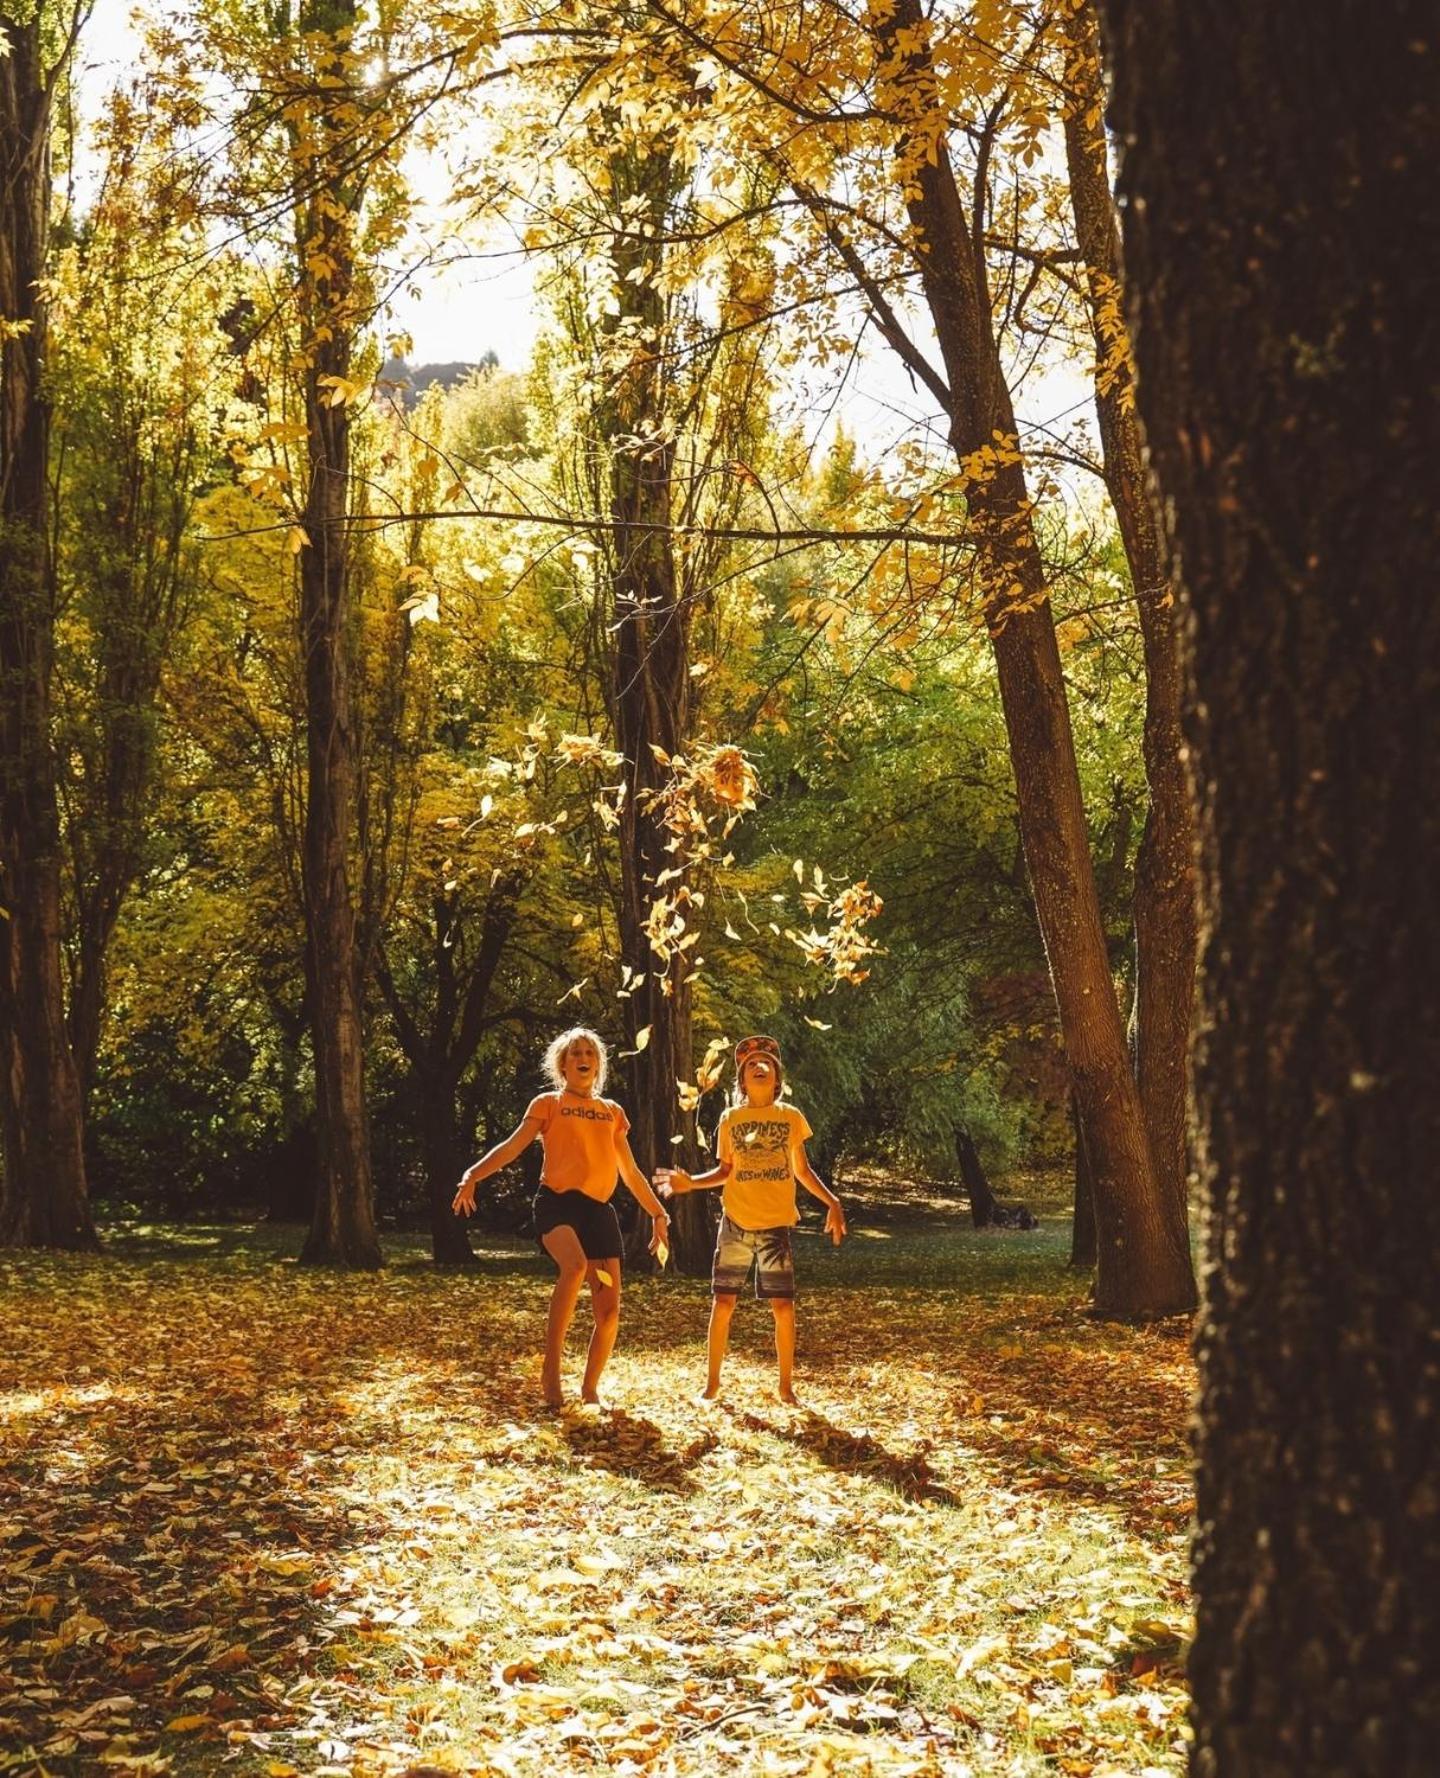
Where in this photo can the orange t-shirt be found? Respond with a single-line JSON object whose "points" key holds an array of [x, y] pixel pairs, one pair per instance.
{"points": [[579, 1135]]}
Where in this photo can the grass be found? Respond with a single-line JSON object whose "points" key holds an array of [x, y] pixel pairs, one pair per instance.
{"points": [[282, 1522]]}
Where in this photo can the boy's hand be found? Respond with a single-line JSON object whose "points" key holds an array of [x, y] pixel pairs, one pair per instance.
{"points": [[463, 1203], [670, 1180], [835, 1223]]}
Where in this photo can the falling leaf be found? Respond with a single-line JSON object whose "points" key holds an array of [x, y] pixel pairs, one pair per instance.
{"points": [[819, 1024], [603, 1277]]}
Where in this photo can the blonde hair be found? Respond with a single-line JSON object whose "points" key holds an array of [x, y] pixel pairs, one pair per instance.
{"points": [[560, 1048]]}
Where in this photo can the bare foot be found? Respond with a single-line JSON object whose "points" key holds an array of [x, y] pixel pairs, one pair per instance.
{"points": [[789, 1397], [551, 1392], [593, 1398], [711, 1392]]}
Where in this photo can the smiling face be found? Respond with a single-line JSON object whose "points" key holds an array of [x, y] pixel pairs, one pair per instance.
{"points": [[759, 1079], [580, 1066]]}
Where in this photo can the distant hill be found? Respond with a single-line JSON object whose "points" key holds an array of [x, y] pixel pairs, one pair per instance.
{"points": [[408, 382]]}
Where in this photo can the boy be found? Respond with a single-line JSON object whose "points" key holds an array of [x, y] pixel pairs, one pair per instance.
{"points": [[761, 1152]]}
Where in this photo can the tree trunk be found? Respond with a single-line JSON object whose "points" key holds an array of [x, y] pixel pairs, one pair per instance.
{"points": [[342, 1230], [974, 1179], [1082, 1227], [440, 1146], [43, 1201], [650, 708], [1279, 188], [1142, 1270], [1164, 891]]}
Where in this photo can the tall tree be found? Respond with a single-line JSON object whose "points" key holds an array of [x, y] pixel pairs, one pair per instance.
{"points": [[649, 665], [1277, 178], [43, 1198], [874, 96], [330, 180], [1164, 892], [322, 100], [139, 407]]}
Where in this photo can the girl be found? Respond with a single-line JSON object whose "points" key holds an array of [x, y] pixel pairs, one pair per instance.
{"points": [[761, 1149], [583, 1137]]}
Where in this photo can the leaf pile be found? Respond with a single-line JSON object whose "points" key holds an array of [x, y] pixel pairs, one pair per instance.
{"points": [[286, 1523]]}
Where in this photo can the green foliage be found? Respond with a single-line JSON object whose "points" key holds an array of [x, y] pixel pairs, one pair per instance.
{"points": [[854, 675]]}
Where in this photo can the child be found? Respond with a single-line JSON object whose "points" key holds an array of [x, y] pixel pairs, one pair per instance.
{"points": [[761, 1149], [583, 1137]]}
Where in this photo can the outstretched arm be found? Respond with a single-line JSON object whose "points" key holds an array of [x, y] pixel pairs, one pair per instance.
{"points": [[635, 1180], [492, 1161], [806, 1175], [671, 1181]]}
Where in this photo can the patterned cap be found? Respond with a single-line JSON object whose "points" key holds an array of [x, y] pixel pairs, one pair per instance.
{"points": [[755, 1046]]}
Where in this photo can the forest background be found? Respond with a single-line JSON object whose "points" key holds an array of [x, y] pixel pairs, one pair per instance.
{"points": [[834, 604]]}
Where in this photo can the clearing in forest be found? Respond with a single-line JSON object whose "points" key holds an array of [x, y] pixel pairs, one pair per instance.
{"points": [[269, 1521]]}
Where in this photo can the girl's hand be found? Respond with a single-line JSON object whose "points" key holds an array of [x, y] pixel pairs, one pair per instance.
{"points": [[659, 1234], [835, 1223], [670, 1180], [463, 1203]]}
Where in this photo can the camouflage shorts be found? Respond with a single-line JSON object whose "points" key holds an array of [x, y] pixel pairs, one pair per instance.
{"points": [[736, 1249]]}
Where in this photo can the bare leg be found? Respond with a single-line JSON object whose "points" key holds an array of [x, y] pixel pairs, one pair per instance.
{"points": [[783, 1309], [605, 1301], [563, 1246], [721, 1311]]}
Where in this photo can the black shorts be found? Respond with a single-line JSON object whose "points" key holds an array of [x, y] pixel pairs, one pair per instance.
{"points": [[596, 1226]]}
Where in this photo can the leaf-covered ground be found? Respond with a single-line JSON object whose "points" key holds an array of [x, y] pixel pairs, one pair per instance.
{"points": [[266, 1521]]}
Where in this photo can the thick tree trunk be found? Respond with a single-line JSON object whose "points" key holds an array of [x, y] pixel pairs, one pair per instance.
{"points": [[974, 1178], [342, 1230], [650, 710], [1142, 1270], [440, 1147], [1164, 892], [651, 683], [43, 1195], [1280, 194], [440, 1051]]}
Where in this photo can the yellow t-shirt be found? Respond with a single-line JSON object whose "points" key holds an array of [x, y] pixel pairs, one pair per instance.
{"points": [[760, 1143], [579, 1134]]}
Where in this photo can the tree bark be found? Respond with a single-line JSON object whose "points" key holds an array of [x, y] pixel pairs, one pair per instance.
{"points": [[974, 1178], [440, 1146], [1082, 1227], [1164, 892], [43, 1200], [440, 1043], [650, 704], [1278, 183], [1142, 1270], [342, 1230]]}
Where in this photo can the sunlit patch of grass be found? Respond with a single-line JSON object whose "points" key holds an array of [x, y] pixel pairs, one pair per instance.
{"points": [[323, 1525]]}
